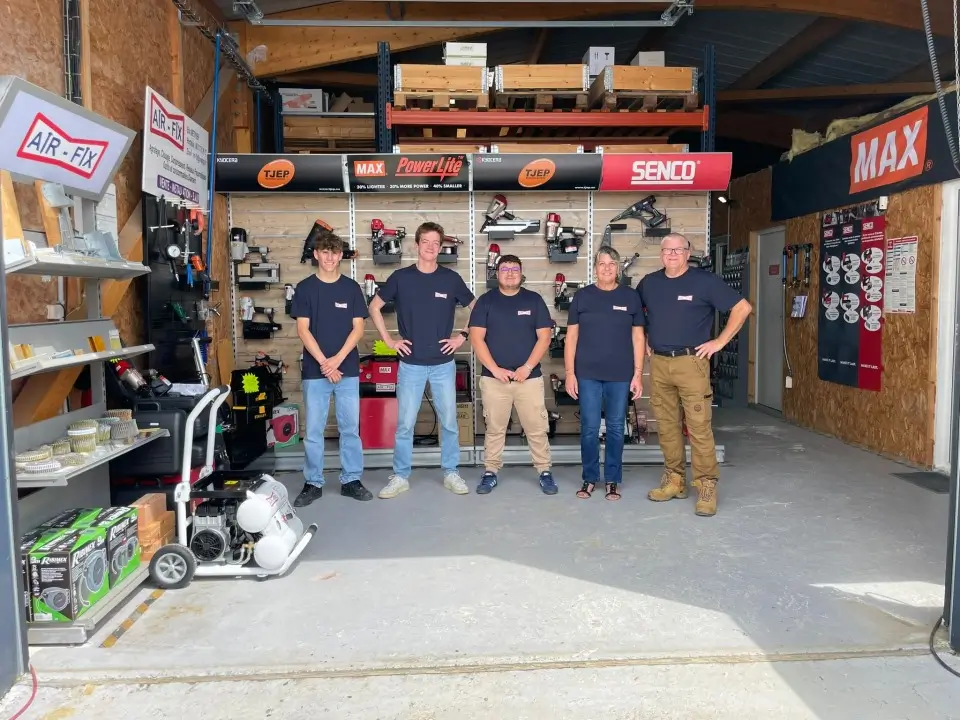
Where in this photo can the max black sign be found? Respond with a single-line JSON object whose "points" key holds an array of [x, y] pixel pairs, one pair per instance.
{"points": [[406, 173], [279, 173], [537, 172]]}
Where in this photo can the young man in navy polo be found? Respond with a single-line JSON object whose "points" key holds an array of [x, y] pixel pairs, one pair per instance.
{"points": [[426, 296], [680, 303], [510, 332], [330, 309]]}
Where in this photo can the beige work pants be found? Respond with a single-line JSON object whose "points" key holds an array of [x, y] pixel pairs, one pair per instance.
{"points": [[499, 399]]}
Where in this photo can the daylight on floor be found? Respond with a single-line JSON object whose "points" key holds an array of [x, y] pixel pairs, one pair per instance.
{"points": [[480, 360]]}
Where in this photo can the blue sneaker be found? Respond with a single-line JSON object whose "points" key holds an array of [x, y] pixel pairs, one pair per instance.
{"points": [[487, 483], [547, 484]]}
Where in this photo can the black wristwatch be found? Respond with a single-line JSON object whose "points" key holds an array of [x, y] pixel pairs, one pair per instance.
{"points": [[466, 335]]}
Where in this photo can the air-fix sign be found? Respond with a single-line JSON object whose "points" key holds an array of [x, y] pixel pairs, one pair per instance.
{"points": [[175, 153], [408, 173], [888, 153], [51, 139]]}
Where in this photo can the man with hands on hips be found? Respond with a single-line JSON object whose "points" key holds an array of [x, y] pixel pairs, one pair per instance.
{"points": [[680, 302], [426, 296]]}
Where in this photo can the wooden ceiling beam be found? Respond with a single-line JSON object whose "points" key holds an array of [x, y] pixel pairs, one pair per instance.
{"points": [[795, 49], [293, 49], [336, 78], [825, 92]]}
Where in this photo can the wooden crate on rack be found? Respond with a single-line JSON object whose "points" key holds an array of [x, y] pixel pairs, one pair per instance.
{"points": [[645, 148], [520, 147], [320, 133], [441, 87], [438, 147], [627, 87], [542, 84]]}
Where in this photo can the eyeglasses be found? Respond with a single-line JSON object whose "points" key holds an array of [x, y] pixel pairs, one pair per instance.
{"points": [[513, 270], [673, 251]]}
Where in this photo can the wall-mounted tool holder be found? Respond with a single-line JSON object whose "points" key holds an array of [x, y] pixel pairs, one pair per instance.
{"points": [[370, 287], [563, 242], [500, 225], [558, 340], [252, 268], [252, 328], [655, 223], [449, 250], [731, 363], [563, 292]]}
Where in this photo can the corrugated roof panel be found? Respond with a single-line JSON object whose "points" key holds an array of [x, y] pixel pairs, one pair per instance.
{"points": [[864, 54]]}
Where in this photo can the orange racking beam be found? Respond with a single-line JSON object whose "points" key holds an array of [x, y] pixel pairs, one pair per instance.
{"points": [[698, 119]]}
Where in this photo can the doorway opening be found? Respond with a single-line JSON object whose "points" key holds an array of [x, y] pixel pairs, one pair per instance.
{"points": [[770, 313]]}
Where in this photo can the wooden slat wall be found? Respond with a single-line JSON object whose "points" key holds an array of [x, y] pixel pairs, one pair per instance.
{"points": [[282, 222]]}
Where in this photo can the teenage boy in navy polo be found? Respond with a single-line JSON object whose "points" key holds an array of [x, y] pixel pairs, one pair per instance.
{"points": [[680, 302], [330, 309], [426, 296], [510, 332]]}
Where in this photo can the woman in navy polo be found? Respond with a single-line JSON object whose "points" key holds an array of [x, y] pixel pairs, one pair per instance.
{"points": [[603, 359]]}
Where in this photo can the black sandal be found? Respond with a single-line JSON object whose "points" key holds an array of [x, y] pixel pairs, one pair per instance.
{"points": [[586, 490], [612, 493]]}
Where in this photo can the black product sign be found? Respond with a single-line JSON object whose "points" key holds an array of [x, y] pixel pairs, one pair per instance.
{"points": [[838, 337], [580, 171], [408, 173], [255, 173]]}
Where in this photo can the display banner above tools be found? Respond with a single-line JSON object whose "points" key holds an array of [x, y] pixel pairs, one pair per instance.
{"points": [[404, 173]]}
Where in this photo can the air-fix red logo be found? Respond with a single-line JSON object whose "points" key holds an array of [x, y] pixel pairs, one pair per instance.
{"points": [[443, 167], [165, 124], [701, 172], [47, 143], [369, 168]]}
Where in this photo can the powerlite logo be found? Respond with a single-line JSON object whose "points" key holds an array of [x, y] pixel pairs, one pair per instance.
{"points": [[45, 142], [165, 124], [443, 167], [664, 172], [890, 152]]}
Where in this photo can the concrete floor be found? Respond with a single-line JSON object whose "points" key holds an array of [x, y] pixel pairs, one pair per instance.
{"points": [[810, 595]]}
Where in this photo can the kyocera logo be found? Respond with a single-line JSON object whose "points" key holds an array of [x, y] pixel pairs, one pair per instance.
{"points": [[45, 142], [165, 124], [275, 174], [664, 172], [369, 168]]}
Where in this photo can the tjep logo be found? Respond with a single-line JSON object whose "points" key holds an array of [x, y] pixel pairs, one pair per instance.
{"points": [[275, 174], [45, 142], [536, 173], [165, 124]]}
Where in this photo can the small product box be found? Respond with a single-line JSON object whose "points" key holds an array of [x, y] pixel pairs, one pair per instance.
{"points": [[597, 58], [651, 58], [283, 430], [73, 518], [123, 542], [69, 575]]}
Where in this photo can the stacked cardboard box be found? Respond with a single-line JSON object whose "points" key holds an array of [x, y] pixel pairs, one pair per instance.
{"points": [[465, 54], [157, 524]]}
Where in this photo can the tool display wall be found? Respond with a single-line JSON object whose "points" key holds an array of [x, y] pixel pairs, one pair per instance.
{"points": [[537, 225], [731, 365]]}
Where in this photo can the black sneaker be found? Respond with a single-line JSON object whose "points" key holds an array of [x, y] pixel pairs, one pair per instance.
{"points": [[547, 483], [487, 483], [308, 495], [355, 490]]}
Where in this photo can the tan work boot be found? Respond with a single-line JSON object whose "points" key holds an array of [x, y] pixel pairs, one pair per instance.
{"points": [[707, 498], [671, 486]]}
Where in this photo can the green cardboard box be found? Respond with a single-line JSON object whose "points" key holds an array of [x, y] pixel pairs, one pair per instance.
{"points": [[69, 575]]}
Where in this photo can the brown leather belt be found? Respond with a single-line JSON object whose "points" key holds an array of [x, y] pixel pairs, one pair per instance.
{"points": [[676, 353]]}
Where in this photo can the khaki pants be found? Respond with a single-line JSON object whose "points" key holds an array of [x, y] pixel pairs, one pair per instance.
{"points": [[499, 399], [684, 382]]}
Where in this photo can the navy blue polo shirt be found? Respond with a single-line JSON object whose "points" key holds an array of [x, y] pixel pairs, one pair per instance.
{"points": [[331, 309], [606, 319], [426, 305], [511, 322], [680, 310]]}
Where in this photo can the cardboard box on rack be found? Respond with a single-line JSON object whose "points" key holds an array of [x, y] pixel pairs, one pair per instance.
{"points": [[283, 430], [465, 422], [597, 58], [157, 534]]}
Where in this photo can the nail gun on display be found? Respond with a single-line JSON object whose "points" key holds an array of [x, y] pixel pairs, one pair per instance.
{"points": [[654, 222], [319, 229], [370, 287], [387, 243], [500, 225], [252, 328], [563, 292], [563, 241], [252, 274]]}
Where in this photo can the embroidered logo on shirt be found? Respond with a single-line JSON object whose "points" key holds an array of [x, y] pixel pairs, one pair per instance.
{"points": [[523, 312], [340, 305], [440, 295], [620, 307], [688, 298]]}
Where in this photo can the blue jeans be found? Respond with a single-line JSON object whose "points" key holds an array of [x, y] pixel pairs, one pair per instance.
{"points": [[346, 396], [613, 397], [411, 382]]}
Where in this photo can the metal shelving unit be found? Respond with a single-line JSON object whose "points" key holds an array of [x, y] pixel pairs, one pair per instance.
{"points": [[40, 496]]}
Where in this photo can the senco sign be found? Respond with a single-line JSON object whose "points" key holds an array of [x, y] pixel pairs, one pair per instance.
{"points": [[699, 172], [888, 153], [51, 139]]}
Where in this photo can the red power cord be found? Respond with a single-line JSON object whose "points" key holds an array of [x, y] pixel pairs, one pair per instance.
{"points": [[33, 696]]}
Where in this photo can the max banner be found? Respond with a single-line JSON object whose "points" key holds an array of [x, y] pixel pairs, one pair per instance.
{"points": [[906, 152], [456, 172]]}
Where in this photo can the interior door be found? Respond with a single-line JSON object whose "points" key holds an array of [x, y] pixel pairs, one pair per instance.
{"points": [[770, 311]]}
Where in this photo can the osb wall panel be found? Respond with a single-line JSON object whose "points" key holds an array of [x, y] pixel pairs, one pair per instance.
{"points": [[898, 420], [751, 195]]}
